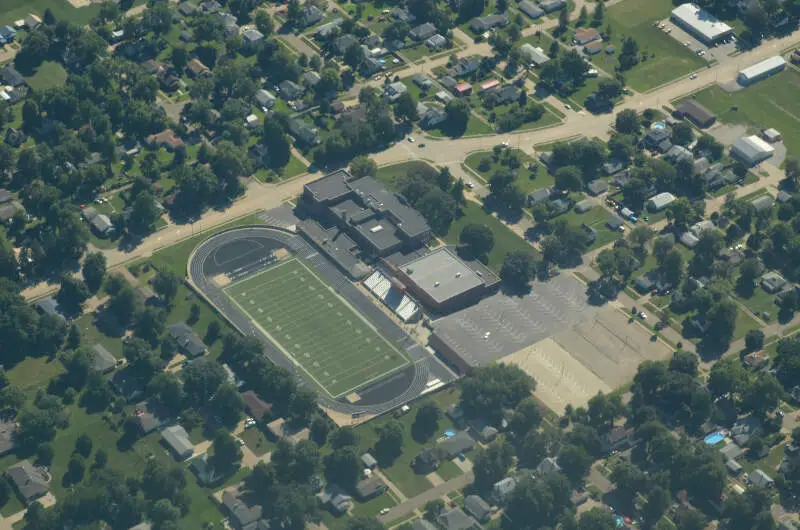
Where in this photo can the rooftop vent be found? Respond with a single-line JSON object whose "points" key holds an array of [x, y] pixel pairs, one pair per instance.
{"points": [[376, 229]]}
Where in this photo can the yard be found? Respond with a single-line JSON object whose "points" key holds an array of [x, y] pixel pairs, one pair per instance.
{"points": [[666, 60], [594, 218], [769, 103], [475, 127], [11, 10], [759, 302], [50, 74], [527, 180], [505, 240]]}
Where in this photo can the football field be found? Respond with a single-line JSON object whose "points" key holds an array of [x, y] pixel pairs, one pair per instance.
{"points": [[312, 325]]}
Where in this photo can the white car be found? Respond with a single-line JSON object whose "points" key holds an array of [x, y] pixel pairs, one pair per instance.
{"points": [[566, 106], [411, 139], [643, 315], [384, 511], [470, 185], [687, 43]]}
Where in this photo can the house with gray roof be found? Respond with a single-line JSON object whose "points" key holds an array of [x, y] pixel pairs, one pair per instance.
{"points": [[540, 195], [29, 482], [533, 55], [731, 451], [760, 479], [597, 187], [244, 515], [303, 132], [289, 90], [49, 306], [310, 15], [204, 471], [327, 29], [502, 489], [265, 98], [455, 445], [763, 203], [436, 42], [477, 507], [423, 524], [344, 42], [177, 439], [456, 519], [772, 282], [550, 6], [102, 360], [531, 9], [189, 342], [369, 461], [423, 32], [8, 432], [335, 499], [370, 488], [484, 24], [252, 38], [548, 465]]}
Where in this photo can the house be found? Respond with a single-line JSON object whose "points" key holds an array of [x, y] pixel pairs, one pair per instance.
{"points": [[593, 48], [422, 81], [465, 66], [455, 413], [209, 7], [150, 417], [289, 90], [369, 461], [8, 432], [477, 507], [11, 77], [782, 197], [744, 429], [540, 195], [655, 140], [482, 431], [502, 489], [102, 360], [505, 95], [751, 150], [395, 90], [614, 222], [456, 519], [548, 465], [696, 113], [585, 36], [533, 55], [242, 513], [734, 467], [531, 9], [436, 42], [585, 205], [48, 306], [678, 153], [370, 488], [259, 155], [29, 482], [9, 210], [142, 526], [166, 139], [177, 439], [189, 342], [15, 137], [760, 479], [423, 524], [186, 9], [256, 407], [455, 445], [344, 42], [763, 203], [311, 78], [483, 24], [656, 203], [550, 6], [265, 98], [772, 282], [427, 460], [618, 439], [310, 15], [370, 66], [8, 34], [280, 429], [169, 81], [611, 49], [197, 68], [597, 187], [334, 498], [422, 32], [204, 472], [327, 29], [463, 89], [303, 132], [252, 38], [100, 223]]}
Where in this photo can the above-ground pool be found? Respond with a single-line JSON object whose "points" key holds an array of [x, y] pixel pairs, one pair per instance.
{"points": [[659, 125], [449, 433], [714, 438]]}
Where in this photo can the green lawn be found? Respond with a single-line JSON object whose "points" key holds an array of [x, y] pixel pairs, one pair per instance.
{"points": [[449, 470], [667, 58], [527, 180], [34, 372], [292, 169], [310, 323], [11, 10], [475, 127], [760, 301], [400, 472], [49, 75], [769, 103], [594, 218], [505, 240], [13, 506], [393, 174], [257, 442], [744, 323], [91, 335]]}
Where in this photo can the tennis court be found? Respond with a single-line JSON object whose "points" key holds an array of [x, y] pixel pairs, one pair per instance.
{"points": [[323, 335]]}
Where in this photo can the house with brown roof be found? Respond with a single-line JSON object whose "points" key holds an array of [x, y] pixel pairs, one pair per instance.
{"points": [[197, 68], [256, 407], [166, 139]]}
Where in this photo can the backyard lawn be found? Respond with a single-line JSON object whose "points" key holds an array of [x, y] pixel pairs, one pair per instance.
{"points": [[49, 75], [527, 180], [666, 60], [769, 103], [475, 127], [594, 218], [34, 372], [760, 302]]}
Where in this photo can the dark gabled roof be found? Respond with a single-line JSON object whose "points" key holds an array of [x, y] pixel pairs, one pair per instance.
{"points": [[241, 512], [459, 443], [188, 341], [8, 430], [29, 481], [10, 76], [49, 306], [102, 360], [256, 406]]}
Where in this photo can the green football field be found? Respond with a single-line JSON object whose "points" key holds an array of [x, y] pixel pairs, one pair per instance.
{"points": [[333, 344]]}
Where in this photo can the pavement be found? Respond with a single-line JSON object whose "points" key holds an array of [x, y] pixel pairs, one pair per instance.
{"points": [[417, 503]]}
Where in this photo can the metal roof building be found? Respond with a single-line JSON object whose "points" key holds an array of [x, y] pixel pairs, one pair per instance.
{"points": [[697, 113], [751, 150], [702, 25], [660, 201], [759, 71]]}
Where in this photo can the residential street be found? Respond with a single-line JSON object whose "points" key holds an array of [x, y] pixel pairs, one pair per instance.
{"points": [[418, 502]]}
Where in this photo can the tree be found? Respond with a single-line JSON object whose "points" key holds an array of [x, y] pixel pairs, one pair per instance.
{"points": [[72, 294], [727, 376], [163, 512], [405, 108], [627, 122], [575, 462], [527, 417], [362, 166], [83, 445], [353, 56], [264, 22], [149, 324], [682, 133], [458, 114], [201, 379], [477, 239], [144, 214], [165, 284], [390, 442], [296, 463], [426, 422], [100, 459], [754, 340], [226, 453], [227, 404], [361, 522], [792, 169], [597, 16], [569, 178], [488, 390], [343, 466], [518, 268], [75, 470], [94, 270], [640, 235], [629, 56], [597, 518], [492, 463]]}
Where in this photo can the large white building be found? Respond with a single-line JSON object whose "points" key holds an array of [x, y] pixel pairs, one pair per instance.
{"points": [[751, 150], [704, 26], [759, 71]]}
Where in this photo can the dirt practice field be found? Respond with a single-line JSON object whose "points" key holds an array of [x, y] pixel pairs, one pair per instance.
{"points": [[599, 354]]}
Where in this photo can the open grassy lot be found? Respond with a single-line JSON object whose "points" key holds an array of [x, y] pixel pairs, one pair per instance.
{"points": [[303, 316], [666, 60], [34, 372], [772, 102], [11, 10], [505, 240], [292, 169], [594, 218], [392, 175], [475, 127], [759, 301], [528, 180], [49, 75], [744, 323]]}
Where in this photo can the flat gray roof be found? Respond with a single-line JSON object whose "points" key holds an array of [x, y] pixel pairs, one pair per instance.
{"points": [[442, 274], [330, 186], [380, 232]]}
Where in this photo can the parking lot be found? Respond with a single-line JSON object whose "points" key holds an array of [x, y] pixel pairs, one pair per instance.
{"points": [[719, 53]]}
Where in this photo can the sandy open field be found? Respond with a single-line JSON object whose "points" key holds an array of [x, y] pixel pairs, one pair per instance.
{"points": [[599, 354]]}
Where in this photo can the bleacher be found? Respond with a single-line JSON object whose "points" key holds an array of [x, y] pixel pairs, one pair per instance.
{"points": [[399, 302]]}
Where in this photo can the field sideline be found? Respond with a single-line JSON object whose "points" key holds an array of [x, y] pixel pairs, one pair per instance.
{"points": [[313, 326]]}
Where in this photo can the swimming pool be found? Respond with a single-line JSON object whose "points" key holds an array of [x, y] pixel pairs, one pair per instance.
{"points": [[714, 438], [659, 125]]}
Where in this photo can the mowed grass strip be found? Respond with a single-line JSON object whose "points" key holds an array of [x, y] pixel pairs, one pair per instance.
{"points": [[308, 321]]}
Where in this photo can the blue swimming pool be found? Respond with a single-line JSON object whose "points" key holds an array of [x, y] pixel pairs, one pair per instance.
{"points": [[659, 125], [714, 438]]}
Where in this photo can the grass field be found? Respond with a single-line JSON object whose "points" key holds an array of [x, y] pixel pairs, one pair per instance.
{"points": [[49, 75], [634, 18], [527, 180], [772, 102], [317, 329], [11, 10]]}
